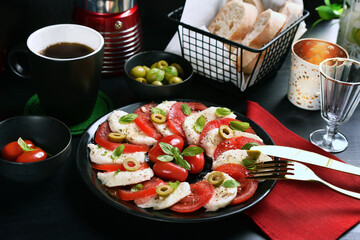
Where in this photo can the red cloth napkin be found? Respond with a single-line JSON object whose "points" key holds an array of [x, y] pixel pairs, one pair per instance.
{"points": [[303, 210]]}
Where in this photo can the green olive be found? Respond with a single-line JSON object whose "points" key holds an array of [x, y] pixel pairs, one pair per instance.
{"points": [[141, 79], [137, 72], [158, 118], [157, 83], [146, 68], [179, 69], [131, 164], [216, 178], [164, 190], [175, 80], [253, 154], [155, 74], [170, 72], [116, 137], [160, 64], [225, 132]]}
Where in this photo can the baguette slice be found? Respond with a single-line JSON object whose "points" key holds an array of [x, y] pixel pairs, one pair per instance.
{"points": [[234, 20], [293, 11], [268, 25], [257, 3]]}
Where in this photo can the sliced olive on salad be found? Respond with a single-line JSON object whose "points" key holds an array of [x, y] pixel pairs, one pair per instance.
{"points": [[158, 118], [131, 164], [116, 137], [164, 190], [225, 132], [216, 178]]}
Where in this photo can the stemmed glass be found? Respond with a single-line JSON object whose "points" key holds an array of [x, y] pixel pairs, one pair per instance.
{"points": [[340, 95]]}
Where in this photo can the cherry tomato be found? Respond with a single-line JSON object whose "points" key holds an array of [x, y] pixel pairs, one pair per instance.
{"points": [[173, 140], [143, 121], [201, 193], [148, 189], [196, 162], [170, 171], [32, 156], [115, 167], [102, 138], [12, 150]]}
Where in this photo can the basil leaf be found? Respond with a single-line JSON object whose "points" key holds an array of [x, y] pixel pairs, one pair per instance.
{"points": [[158, 110], [137, 187], [248, 146], [200, 124], [117, 152], [117, 171], [248, 163], [165, 158], [179, 159], [174, 185], [223, 111], [230, 183], [23, 145], [128, 118], [166, 148], [192, 151], [186, 109], [239, 126]]}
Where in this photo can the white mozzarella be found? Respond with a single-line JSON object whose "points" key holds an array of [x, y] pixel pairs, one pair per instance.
{"points": [[101, 155], [236, 156], [123, 178], [222, 196], [132, 132], [163, 128], [158, 203], [188, 125]]}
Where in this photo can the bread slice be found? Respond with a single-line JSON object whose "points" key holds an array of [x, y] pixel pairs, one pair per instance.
{"points": [[268, 25], [293, 11], [257, 3], [234, 20]]}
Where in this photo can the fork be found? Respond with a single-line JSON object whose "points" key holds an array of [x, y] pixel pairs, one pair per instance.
{"points": [[279, 170]]}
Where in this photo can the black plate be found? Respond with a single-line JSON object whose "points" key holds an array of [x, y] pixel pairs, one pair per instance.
{"points": [[89, 176]]}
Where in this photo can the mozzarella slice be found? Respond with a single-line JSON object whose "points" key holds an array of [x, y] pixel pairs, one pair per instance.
{"points": [[123, 178], [163, 127], [222, 196], [132, 132], [101, 155], [236, 156], [158, 203], [212, 139], [188, 125]]}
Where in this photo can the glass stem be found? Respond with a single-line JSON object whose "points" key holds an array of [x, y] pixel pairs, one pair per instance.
{"points": [[331, 130]]}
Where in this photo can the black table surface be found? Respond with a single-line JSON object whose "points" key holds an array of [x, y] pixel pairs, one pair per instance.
{"points": [[62, 207]]}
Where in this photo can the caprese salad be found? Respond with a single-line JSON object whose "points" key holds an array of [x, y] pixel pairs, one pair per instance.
{"points": [[151, 156]]}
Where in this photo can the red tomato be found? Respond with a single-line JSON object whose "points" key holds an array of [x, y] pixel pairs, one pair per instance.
{"points": [[102, 138], [176, 116], [32, 156], [247, 187], [233, 143], [173, 140], [12, 150], [114, 167], [143, 121], [201, 193], [196, 162], [217, 123], [148, 189], [170, 171]]}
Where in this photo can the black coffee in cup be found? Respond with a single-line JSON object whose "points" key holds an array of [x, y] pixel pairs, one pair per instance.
{"points": [[65, 50]]}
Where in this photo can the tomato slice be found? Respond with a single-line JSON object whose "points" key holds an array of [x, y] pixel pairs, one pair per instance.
{"points": [[201, 193], [176, 116], [143, 121], [239, 173], [219, 122], [148, 189], [102, 138], [233, 143], [114, 167]]}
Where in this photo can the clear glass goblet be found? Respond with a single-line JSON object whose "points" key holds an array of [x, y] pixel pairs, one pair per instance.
{"points": [[340, 95]]}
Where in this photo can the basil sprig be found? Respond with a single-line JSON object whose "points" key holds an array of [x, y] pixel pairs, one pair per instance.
{"points": [[249, 145], [239, 126], [128, 118], [230, 183], [117, 152], [158, 111], [200, 124], [186, 109], [223, 111]]}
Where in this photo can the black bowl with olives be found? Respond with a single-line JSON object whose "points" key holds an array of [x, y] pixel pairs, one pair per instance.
{"points": [[157, 74]]}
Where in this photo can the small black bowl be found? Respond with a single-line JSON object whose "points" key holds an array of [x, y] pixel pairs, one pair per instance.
{"points": [[148, 91], [48, 133]]}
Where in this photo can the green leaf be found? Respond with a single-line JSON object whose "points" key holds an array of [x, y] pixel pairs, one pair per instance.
{"points": [[174, 185], [179, 159], [158, 111], [23, 145], [239, 126], [137, 187], [186, 109], [248, 163], [326, 13], [165, 158], [166, 148], [117, 172], [200, 124], [230, 183], [117, 152], [223, 111], [248, 146], [128, 118], [327, 3], [192, 151]]}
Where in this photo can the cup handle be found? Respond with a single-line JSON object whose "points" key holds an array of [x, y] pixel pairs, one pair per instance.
{"points": [[19, 62]]}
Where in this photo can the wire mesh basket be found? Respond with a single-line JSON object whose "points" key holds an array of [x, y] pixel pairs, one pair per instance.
{"points": [[220, 60]]}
